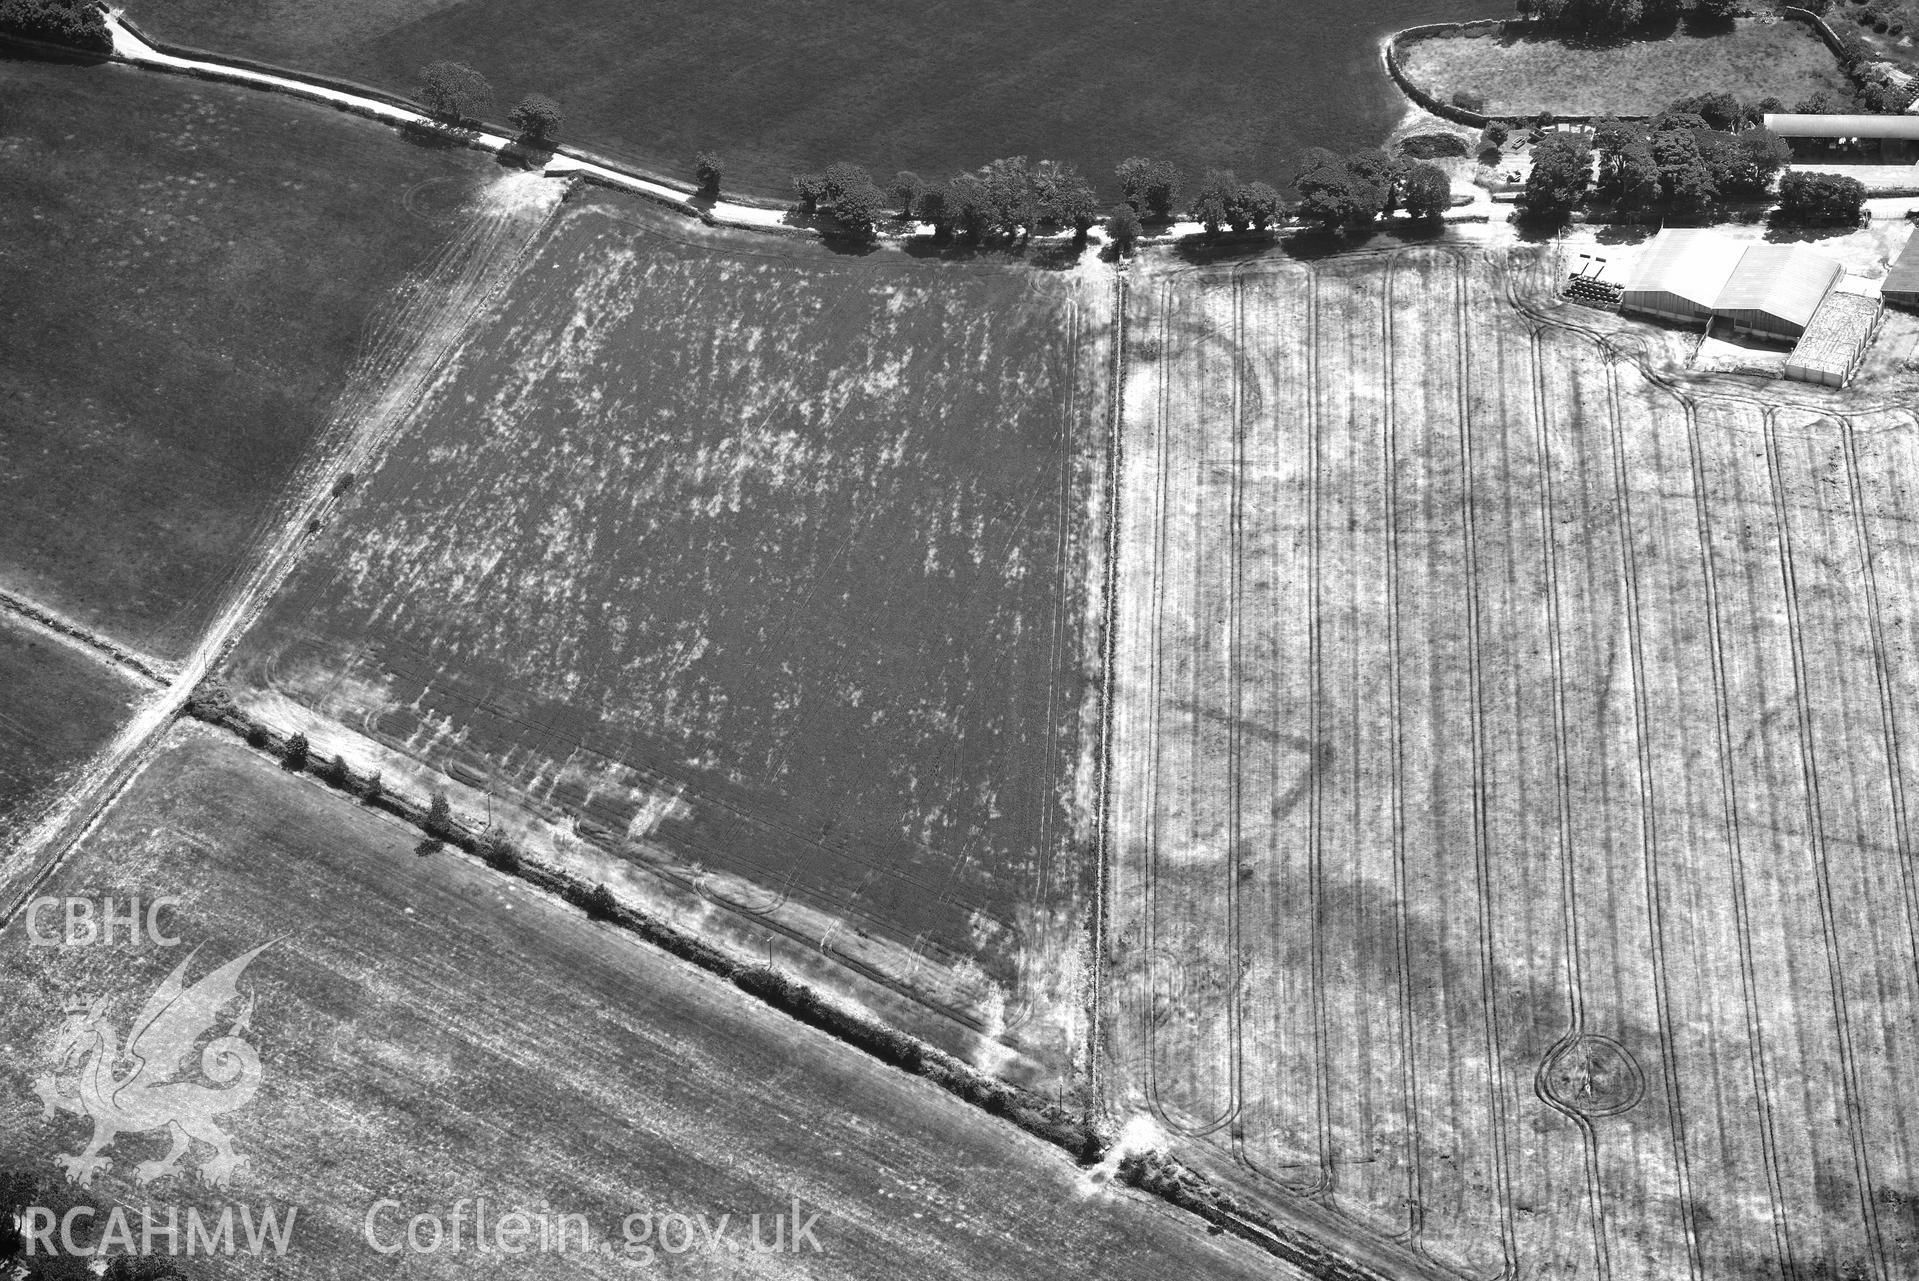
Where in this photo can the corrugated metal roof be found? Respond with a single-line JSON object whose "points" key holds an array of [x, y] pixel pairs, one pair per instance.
{"points": [[1903, 277], [1787, 281], [1787, 125], [1692, 262], [1835, 334]]}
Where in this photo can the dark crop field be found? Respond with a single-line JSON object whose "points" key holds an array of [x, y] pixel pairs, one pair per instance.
{"points": [[185, 271], [754, 557], [430, 1031], [936, 88], [56, 706]]}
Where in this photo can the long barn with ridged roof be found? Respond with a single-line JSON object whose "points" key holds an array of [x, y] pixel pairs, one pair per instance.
{"points": [[1691, 274]]}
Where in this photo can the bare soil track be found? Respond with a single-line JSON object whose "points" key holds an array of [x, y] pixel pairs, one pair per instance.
{"points": [[1508, 844], [186, 271]]}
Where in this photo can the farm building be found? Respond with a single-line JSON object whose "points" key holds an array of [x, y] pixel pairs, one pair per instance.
{"points": [[1892, 137], [1693, 273], [1901, 284], [1835, 340], [1680, 273], [1775, 289]]}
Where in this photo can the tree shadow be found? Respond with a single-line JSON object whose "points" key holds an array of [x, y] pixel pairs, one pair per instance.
{"points": [[1539, 230], [19, 49], [1417, 231], [435, 135], [1230, 246], [1309, 244], [1623, 233], [848, 245], [527, 153], [1043, 255], [1704, 26], [1795, 233]]}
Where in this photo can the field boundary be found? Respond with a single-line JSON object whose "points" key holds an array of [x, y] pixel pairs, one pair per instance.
{"points": [[1389, 52], [342, 84], [1088, 1140], [100, 648]]}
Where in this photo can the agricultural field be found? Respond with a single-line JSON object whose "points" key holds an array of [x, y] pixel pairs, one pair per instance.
{"points": [[186, 273], [782, 88], [426, 1030], [752, 560], [1507, 821], [59, 706], [1522, 75]]}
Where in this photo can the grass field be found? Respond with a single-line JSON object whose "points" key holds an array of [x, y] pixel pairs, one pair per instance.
{"points": [[1524, 75], [430, 1031], [1509, 832], [56, 706], [752, 558], [185, 273], [781, 88]]}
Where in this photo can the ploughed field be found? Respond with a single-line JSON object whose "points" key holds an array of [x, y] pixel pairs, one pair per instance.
{"points": [[1508, 817], [757, 563], [185, 274], [780, 88], [431, 1033]]}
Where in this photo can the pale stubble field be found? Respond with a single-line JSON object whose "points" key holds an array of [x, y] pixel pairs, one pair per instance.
{"points": [[1506, 803]]}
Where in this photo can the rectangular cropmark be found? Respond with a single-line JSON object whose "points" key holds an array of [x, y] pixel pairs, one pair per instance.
{"points": [[1508, 771]]}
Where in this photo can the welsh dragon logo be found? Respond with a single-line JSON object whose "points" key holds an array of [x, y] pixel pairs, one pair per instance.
{"points": [[131, 1089]]}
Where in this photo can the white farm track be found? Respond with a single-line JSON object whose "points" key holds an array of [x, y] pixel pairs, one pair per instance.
{"points": [[407, 348], [1506, 818]]}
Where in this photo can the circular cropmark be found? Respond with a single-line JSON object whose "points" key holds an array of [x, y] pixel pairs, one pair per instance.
{"points": [[437, 200], [1592, 1075]]}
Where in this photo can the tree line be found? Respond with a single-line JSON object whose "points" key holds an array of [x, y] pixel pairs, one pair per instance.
{"points": [[1616, 17], [1684, 162], [1013, 198]]}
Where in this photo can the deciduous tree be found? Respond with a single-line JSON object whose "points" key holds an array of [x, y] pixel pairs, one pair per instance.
{"points": [[1216, 203], [453, 91], [537, 117], [1685, 180], [931, 207], [1261, 204], [707, 169], [907, 189], [1151, 187], [439, 817], [1560, 177], [1122, 228], [966, 206], [1427, 190], [843, 176], [1821, 198], [808, 188], [1075, 204], [857, 208]]}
